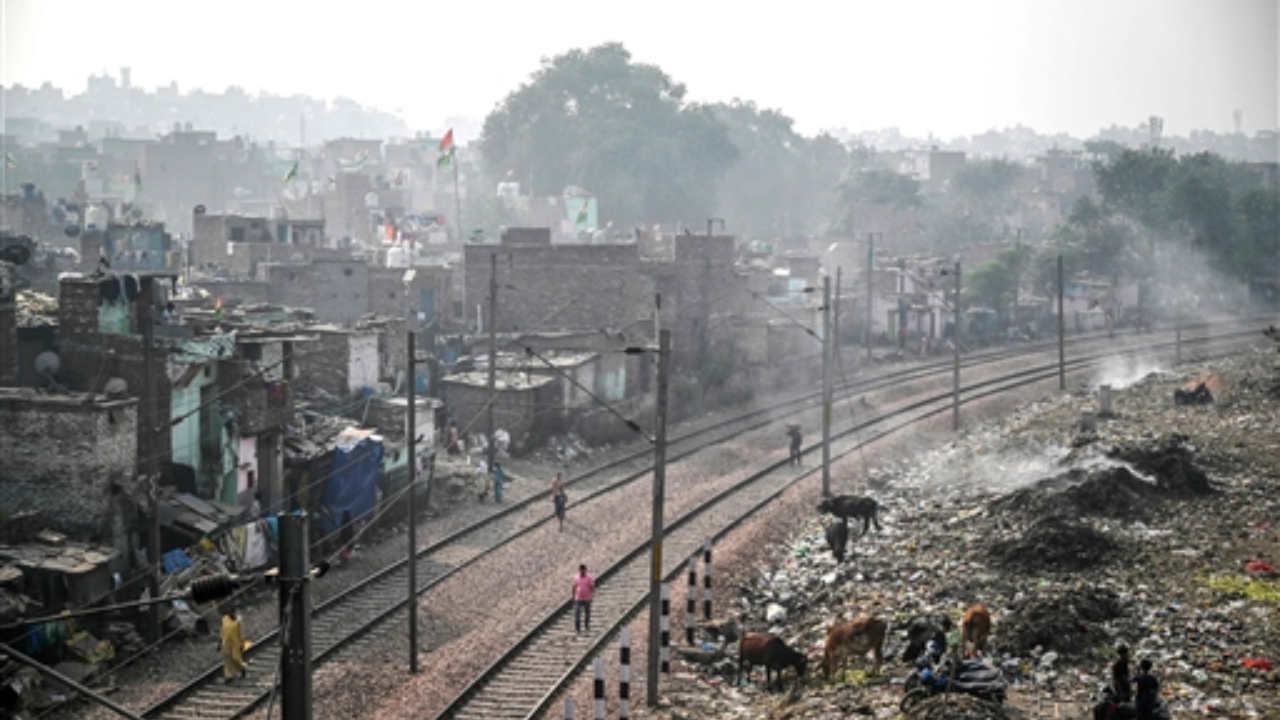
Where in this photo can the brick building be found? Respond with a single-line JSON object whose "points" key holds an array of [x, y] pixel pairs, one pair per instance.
{"points": [[63, 455]]}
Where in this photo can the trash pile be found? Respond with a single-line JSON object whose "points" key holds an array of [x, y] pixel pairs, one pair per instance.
{"points": [[35, 309], [1158, 529]]}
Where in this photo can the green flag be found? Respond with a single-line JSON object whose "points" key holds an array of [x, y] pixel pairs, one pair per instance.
{"points": [[445, 159], [9, 161], [293, 173], [583, 212]]}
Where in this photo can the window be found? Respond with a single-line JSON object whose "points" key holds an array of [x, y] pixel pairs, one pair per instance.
{"points": [[237, 234]]}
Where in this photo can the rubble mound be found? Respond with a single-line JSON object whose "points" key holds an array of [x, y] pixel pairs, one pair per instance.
{"points": [[1112, 492], [1054, 543], [1171, 462], [1068, 623], [957, 706]]}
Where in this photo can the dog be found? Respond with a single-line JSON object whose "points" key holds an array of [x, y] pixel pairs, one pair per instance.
{"points": [[851, 639], [838, 539], [853, 506], [975, 628]]}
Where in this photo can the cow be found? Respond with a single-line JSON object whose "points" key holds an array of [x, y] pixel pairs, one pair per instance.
{"points": [[851, 639], [923, 629], [771, 652], [853, 506], [975, 628], [838, 539]]}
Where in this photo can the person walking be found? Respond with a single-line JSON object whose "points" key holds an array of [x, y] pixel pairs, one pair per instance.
{"points": [[233, 663], [584, 589], [558, 497], [498, 478]]}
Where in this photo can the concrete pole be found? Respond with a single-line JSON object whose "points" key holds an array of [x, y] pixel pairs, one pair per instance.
{"points": [[493, 356], [835, 321], [295, 617], [411, 437], [871, 259], [1062, 329], [655, 552], [955, 345], [151, 460], [826, 386]]}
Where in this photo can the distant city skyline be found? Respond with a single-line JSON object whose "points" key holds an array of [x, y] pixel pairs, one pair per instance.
{"points": [[943, 68]]}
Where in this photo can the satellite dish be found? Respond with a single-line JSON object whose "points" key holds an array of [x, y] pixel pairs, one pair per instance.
{"points": [[16, 254], [116, 388], [72, 231], [47, 364]]}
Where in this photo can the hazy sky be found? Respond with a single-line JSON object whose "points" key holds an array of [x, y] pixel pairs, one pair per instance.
{"points": [[949, 67]]}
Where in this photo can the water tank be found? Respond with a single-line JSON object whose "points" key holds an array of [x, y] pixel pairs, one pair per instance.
{"points": [[96, 218], [397, 257]]}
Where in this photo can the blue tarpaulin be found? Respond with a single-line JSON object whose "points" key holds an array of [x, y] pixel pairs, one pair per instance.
{"points": [[352, 485]]}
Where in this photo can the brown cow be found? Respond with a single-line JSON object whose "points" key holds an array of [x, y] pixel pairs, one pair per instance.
{"points": [[862, 636], [771, 652], [975, 627]]}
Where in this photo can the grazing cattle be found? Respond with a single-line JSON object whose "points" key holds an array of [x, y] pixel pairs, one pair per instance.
{"points": [[838, 539], [975, 628], [853, 506], [923, 629], [851, 639], [771, 652]]}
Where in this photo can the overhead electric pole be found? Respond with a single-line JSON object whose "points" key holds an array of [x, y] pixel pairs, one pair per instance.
{"points": [[871, 262], [411, 442], [493, 355], [655, 547], [827, 344], [1062, 329], [294, 579], [152, 457], [955, 344]]}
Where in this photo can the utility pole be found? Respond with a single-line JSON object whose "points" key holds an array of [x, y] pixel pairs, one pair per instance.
{"points": [[1017, 279], [295, 617], [871, 261], [955, 345], [1177, 357], [655, 547], [411, 442], [457, 197], [493, 355], [1062, 329], [151, 460], [826, 386], [835, 322]]}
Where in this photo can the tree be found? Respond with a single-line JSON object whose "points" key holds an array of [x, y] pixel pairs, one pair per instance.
{"points": [[622, 130], [782, 182]]}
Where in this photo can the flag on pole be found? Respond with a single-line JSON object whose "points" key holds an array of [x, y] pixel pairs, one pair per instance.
{"points": [[446, 149], [583, 212], [137, 178], [9, 161], [292, 174], [399, 177]]}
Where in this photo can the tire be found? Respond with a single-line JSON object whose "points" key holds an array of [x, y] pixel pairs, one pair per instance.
{"points": [[912, 698]]}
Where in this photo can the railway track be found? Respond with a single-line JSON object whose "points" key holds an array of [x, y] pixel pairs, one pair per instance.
{"points": [[344, 619], [526, 680]]}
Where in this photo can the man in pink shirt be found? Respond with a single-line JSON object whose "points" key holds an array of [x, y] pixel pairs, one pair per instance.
{"points": [[584, 588]]}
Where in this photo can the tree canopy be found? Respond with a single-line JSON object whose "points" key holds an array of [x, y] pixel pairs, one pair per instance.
{"points": [[619, 129]]}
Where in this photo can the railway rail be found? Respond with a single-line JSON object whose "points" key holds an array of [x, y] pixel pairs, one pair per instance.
{"points": [[514, 682], [526, 680]]}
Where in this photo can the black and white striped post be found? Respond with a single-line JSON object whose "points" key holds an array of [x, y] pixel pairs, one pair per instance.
{"points": [[598, 690], [706, 580], [665, 652], [568, 709], [691, 602], [624, 676]]}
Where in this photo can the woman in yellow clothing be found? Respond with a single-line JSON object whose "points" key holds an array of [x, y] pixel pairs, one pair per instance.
{"points": [[233, 662]]}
